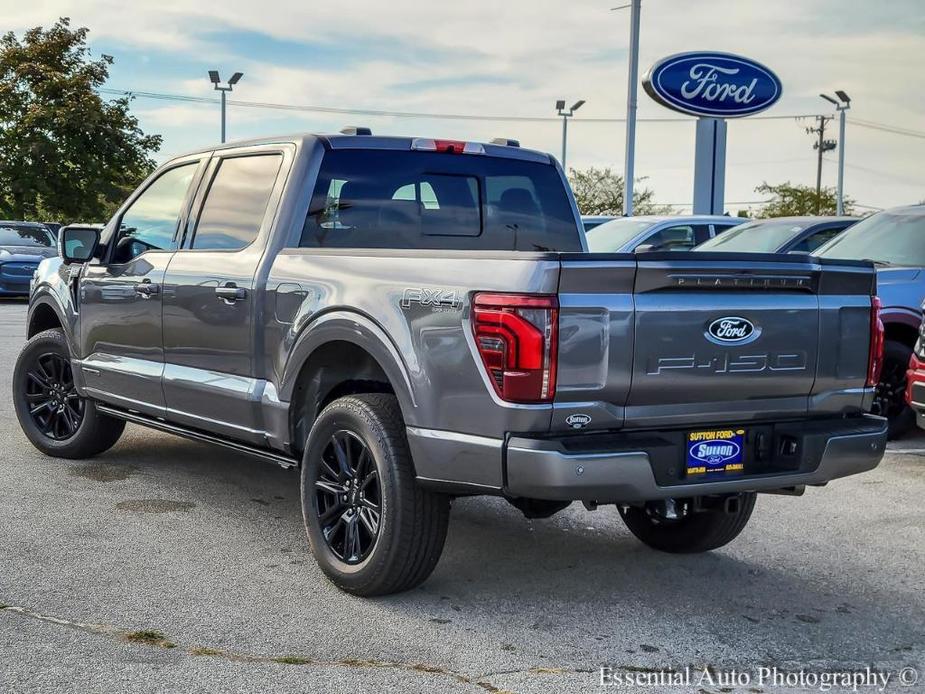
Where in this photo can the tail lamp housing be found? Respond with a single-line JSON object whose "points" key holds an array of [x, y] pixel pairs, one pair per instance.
{"points": [[875, 355], [517, 336]]}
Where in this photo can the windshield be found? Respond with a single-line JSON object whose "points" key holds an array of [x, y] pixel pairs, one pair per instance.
{"points": [[755, 237], [23, 236], [893, 237], [611, 236]]}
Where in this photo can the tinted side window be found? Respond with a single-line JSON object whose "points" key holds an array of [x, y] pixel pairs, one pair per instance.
{"points": [[394, 199], [814, 241], [237, 201], [701, 233], [150, 223], [676, 238], [719, 228]]}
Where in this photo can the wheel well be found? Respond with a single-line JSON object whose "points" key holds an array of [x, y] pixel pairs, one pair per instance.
{"points": [[900, 332], [332, 371], [43, 318]]}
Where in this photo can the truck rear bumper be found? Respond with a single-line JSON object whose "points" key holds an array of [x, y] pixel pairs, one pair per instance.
{"points": [[576, 469]]}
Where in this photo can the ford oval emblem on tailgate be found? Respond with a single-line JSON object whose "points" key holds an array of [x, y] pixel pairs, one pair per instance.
{"points": [[732, 330]]}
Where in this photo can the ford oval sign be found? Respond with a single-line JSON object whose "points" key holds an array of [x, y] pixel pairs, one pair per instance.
{"points": [[732, 330], [718, 85]]}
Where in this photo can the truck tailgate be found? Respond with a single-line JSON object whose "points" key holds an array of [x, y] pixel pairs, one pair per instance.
{"points": [[674, 339]]}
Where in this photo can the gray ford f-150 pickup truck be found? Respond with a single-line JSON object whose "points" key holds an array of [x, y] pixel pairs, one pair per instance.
{"points": [[411, 320]]}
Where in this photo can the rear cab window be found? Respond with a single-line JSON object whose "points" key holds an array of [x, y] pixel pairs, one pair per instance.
{"points": [[237, 201], [404, 199]]}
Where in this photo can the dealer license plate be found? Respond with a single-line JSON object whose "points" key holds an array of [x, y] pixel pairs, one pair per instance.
{"points": [[715, 452]]}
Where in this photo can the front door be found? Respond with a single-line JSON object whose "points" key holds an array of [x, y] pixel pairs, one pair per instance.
{"points": [[120, 300], [210, 297]]}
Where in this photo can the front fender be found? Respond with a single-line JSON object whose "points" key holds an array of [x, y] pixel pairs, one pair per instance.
{"points": [[51, 290], [349, 326]]}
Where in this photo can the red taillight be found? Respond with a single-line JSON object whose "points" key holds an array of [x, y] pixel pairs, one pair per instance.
{"points": [[517, 336], [875, 356]]}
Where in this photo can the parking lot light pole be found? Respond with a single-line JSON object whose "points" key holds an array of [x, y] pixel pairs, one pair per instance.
{"points": [[217, 85], [560, 108], [841, 105]]}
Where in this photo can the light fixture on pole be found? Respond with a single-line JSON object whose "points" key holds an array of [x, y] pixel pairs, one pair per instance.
{"points": [[631, 91], [842, 105], [560, 108], [217, 85]]}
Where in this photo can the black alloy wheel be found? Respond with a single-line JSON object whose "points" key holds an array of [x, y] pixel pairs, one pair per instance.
{"points": [[889, 395], [54, 404], [349, 497]]}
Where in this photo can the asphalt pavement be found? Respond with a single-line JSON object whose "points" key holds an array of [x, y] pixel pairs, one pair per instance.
{"points": [[166, 565]]}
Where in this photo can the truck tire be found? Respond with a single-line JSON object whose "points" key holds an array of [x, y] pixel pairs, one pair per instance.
{"points": [[53, 416], [371, 528], [693, 533], [889, 398]]}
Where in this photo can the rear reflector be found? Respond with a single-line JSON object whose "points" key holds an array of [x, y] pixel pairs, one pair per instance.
{"points": [[875, 355], [517, 336], [447, 146]]}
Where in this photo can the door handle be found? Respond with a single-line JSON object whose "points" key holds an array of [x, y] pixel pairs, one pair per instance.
{"points": [[230, 292], [146, 289]]}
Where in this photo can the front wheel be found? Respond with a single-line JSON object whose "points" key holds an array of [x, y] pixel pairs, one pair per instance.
{"points": [[683, 527], [372, 529], [51, 412]]}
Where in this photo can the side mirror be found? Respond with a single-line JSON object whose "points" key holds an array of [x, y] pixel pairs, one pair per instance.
{"points": [[644, 248], [78, 243]]}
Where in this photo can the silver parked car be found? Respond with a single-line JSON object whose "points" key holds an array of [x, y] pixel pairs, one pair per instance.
{"points": [[780, 235], [657, 232]]}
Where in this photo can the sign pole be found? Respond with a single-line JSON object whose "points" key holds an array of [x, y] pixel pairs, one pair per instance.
{"points": [[710, 166], [631, 90]]}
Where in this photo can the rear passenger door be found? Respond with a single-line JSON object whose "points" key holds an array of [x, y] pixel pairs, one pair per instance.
{"points": [[211, 295]]}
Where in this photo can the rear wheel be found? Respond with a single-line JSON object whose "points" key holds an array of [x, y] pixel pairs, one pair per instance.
{"points": [[683, 527], [890, 394], [50, 410], [372, 529]]}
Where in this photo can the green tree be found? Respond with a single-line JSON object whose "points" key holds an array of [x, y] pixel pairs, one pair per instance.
{"points": [[65, 153], [600, 191], [789, 200]]}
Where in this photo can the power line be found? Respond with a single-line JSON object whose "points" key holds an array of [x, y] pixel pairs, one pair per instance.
{"points": [[398, 114], [886, 174], [885, 127]]}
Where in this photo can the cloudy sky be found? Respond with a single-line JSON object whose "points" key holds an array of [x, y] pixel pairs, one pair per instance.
{"points": [[515, 58]]}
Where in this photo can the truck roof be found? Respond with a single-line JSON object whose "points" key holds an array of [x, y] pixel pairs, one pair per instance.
{"points": [[389, 142]]}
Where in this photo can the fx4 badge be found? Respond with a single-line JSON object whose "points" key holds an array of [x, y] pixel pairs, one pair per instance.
{"points": [[732, 330], [578, 420], [436, 299]]}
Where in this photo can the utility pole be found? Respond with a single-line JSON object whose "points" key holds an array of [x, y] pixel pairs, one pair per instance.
{"points": [[821, 146]]}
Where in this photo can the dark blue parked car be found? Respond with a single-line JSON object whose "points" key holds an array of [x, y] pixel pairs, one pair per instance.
{"points": [[895, 240], [23, 245]]}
